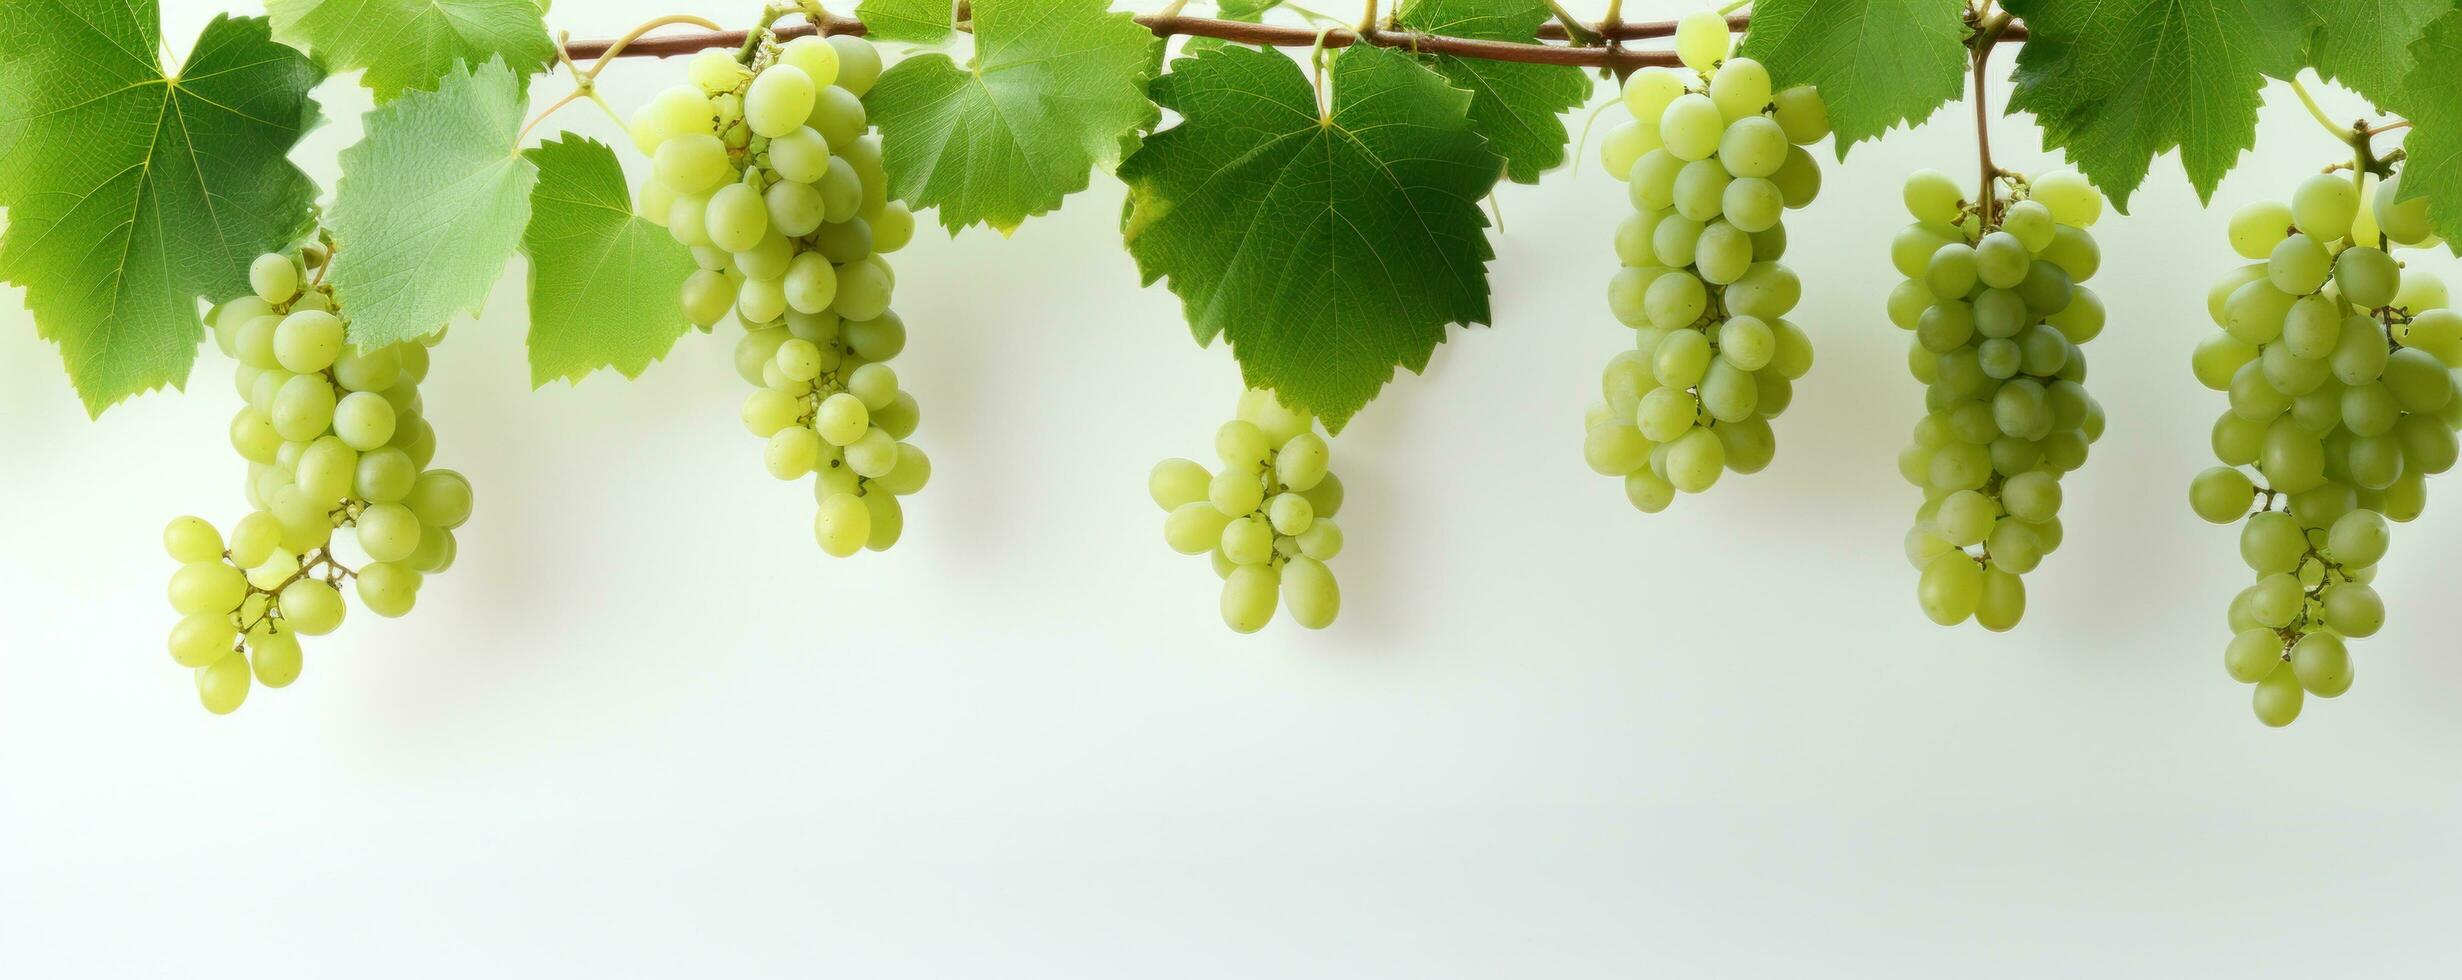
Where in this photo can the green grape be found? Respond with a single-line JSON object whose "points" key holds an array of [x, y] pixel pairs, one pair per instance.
{"points": [[274, 277], [2221, 494], [1691, 128], [1802, 114], [387, 589], [1933, 196], [691, 164], [311, 607], [1951, 588], [2358, 539], [191, 539], [2001, 602], [307, 341], [1248, 597], [2299, 265], [1702, 41], [2404, 222], [2258, 228], [1752, 146], [1649, 91], [1309, 591], [303, 408], [2324, 205], [274, 657], [202, 638], [842, 525], [859, 63], [363, 420], [2072, 200], [738, 217], [780, 99], [2353, 609], [1741, 88], [441, 498], [2367, 277], [223, 684]]}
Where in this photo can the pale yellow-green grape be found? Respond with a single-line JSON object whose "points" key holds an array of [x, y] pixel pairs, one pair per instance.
{"points": [[1716, 159], [334, 440], [780, 192], [2338, 364], [1992, 297], [1265, 518]]}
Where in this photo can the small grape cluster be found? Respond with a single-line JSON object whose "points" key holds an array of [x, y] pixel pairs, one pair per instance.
{"points": [[334, 438], [767, 172], [1994, 298], [2339, 369], [1267, 516], [1712, 168]]}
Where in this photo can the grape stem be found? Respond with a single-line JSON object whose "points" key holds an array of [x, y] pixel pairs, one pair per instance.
{"points": [[1988, 32], [1550, 49]]}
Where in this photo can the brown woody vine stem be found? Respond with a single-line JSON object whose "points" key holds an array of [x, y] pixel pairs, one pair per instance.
{"points": [[1552, 49]]}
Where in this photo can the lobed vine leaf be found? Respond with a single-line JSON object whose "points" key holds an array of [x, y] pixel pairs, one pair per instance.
{"points": [[1877, 63], [2433, 149], [410, 44], [1327, 245], [1055, 89], [2366, 45], [1518, 107], [919, 21], [605, 284], [430, 204], [132, 191], [2114, 84]]}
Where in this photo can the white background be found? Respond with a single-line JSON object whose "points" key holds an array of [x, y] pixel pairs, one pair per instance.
{"points": [[644, 728]]}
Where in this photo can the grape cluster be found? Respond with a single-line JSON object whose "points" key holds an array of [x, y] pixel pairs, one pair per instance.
{"points": [[1712, 167], [2339, 369], [334, 439], [1993, 296], [768, 174], [1267, 516]]}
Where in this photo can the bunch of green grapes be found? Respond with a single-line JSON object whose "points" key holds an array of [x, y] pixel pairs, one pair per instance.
{"points": [[1993, 297], [1267, 516], [767, 172], [1712, 167], [2339, 369], [334, 439]]}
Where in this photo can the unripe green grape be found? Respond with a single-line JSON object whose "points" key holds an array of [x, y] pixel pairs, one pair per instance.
{"points": [[1624, 145], [1695, 460], [202, 638], [863, 291], [223, 685], [1752, 146], [2404, 222], [1675, 300], [2358, 539], [2275, 600], [2272, 542], [2323, 206], [2321, 664], [691, 164], [274, 277], [1248, 597], [1723, 254], [1310, 592], [2002, 601], [2299, 265], [1802, 114], [2221, 494], [1793, 356], [2367, 277], [311, 607], [877, 339], [2032, 497], [1747, 342], [1691, 128], [738, 217], [1965, 517], [2001, 260], [2000, 313], [760, 301], [1798, 179], [2075, 252], [1648, 92], [842, 525], [838, 115], [1741, 88], [2252, 655], [911, 471], [2257, 228], [2428, 445], [274, 657], [1932, 196], [1950, 589], [1653, 180], [859, 63], [388, 532], [307, 341], [191, 539], [1702, 41], [363, 420], [441, 498], [1752, 204], [1247, 541], [2072, 199], [842, 419], [780, 99]]}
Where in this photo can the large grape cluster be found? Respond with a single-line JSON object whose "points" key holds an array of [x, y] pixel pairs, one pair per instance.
{"points": [[1267, 516], [334, 439], [767, 172], [1712, 168], [2339, 368], [2000, 320]]}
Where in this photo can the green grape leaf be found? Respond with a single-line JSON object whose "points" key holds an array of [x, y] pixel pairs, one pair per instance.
{"points": [[2117, 83], [919, 21], [2366, 45], [1055, 89], [431, 203], [2433, 150], [1877, 63], [409, 44], [130, 192], [605, 284], [1518, 107], [1329, 246]]}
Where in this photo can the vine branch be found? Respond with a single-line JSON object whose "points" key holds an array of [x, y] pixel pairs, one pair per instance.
{"points": [[1559, 44]]}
